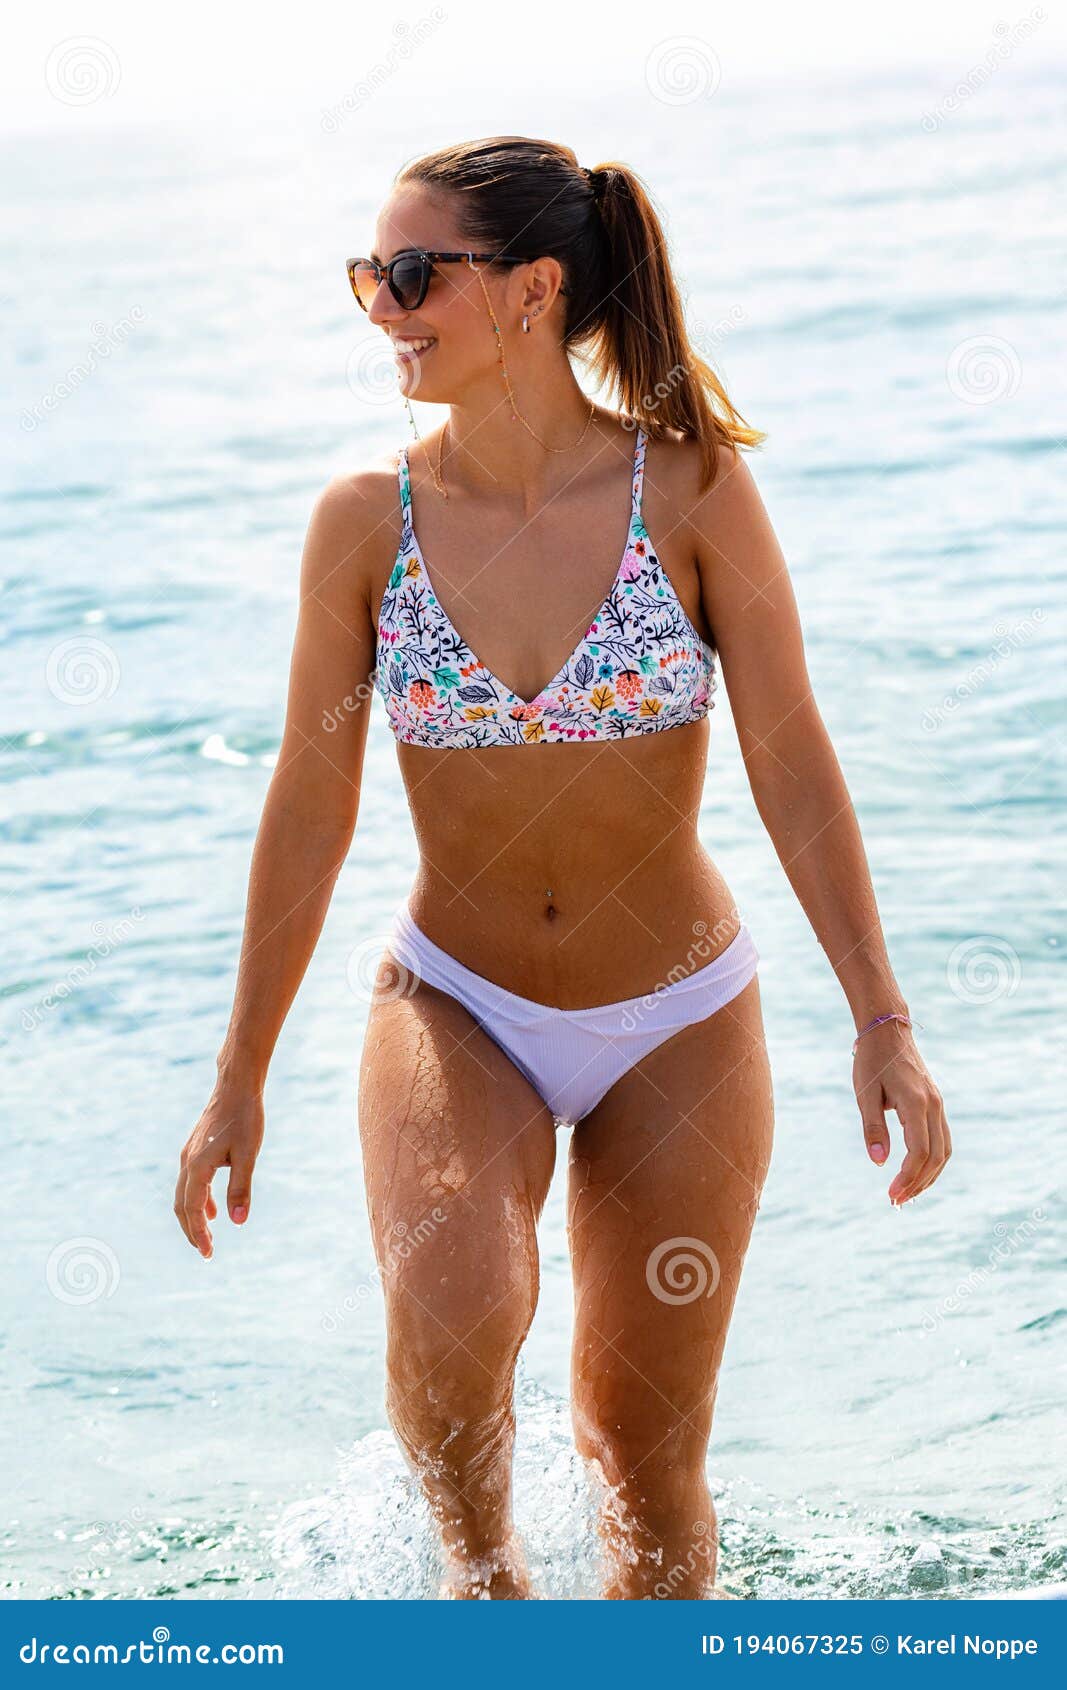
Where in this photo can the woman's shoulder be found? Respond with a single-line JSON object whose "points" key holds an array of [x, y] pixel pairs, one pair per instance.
{"points": [[357, 519], [675, 472], [365, 500]]}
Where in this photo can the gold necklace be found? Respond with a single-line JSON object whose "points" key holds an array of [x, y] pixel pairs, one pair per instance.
{"points": [[516, 416]]}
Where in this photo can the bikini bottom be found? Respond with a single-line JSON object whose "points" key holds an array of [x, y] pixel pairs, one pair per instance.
{"points": [[573, 1057]]}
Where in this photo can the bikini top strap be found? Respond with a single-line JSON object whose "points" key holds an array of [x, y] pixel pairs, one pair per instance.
{"points": [[404, 482], [639, 470]]}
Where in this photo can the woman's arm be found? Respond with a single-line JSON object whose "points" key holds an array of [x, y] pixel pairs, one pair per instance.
{"points": [[804, 803], [307, 823]]}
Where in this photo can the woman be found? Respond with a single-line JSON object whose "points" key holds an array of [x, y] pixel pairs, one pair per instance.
{"points": [[569, 953]]}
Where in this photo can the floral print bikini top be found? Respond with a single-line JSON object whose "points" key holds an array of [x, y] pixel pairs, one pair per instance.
{"points": [[640, 666]]}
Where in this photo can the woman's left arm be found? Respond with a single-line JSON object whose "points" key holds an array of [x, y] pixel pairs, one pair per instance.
{"points": [[804, 803]]}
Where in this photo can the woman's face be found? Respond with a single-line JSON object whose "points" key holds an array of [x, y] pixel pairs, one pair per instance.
{"points": [[453, 318]]}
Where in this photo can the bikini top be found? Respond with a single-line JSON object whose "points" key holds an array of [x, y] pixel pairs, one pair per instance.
{"points": [[639, 667]]}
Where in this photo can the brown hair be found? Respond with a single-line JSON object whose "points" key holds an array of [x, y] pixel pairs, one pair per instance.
{"points": [[624, 313]]}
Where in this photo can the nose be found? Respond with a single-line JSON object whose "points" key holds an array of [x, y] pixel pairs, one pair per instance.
{"points": [[383, 307]]}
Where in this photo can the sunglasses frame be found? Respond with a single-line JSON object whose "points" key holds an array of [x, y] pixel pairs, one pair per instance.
{"points": [[384, 272]]}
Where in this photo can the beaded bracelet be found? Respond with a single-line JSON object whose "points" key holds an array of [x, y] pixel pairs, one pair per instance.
{"points": [[877, 1022]]}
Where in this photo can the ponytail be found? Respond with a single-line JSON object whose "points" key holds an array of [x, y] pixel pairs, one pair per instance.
{"points": [[636, 334], [624, 313]]}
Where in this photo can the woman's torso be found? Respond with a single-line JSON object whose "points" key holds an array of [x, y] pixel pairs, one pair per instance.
{"points": [[570, 873]]}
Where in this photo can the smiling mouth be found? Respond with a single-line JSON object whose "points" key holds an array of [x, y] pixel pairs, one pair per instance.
{"points": [[408, 351]]}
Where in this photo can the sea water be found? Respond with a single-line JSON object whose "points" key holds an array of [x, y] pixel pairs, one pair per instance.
{"points": [[877, 270]]}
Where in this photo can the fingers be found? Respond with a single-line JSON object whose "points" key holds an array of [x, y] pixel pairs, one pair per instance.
{"points": [[925, 1129], [197, 1196], [239, 1190], [940, 1144], [875, 1130]]}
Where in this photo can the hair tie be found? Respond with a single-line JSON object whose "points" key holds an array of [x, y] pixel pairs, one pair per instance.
{"points": [[595, 178]]}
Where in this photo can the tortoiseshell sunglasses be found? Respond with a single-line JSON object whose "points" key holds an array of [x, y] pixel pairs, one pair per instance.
{"points": [[408, 274]]}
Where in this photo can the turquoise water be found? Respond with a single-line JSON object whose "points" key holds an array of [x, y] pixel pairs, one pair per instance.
{"points": [[187, 370]]}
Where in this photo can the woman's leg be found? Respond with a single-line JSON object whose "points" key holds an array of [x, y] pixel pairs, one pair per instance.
{"points": [[665, 1180], [458, 1152]]}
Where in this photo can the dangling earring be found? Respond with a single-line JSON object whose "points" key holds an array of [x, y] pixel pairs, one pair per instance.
{"points": [[526, 325], [515, 416]]}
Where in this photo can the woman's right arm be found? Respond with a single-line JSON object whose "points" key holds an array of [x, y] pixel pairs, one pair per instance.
{"points": [[308, 820]]}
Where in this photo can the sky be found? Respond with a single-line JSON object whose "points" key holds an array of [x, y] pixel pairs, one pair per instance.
{"points": [[111, 62]]}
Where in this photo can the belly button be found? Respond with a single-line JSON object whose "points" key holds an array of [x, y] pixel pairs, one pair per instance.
{"points": [[551, 911]]}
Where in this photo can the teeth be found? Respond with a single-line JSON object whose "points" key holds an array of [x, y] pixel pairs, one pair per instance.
{"points": [[412, 345]]}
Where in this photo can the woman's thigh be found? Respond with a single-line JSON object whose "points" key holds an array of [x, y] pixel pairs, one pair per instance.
{"points": [[458, 1152], [665, 1180]]}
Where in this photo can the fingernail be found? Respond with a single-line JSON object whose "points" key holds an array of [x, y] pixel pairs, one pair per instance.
{"points": [[240, 1214], [878, 1152]]}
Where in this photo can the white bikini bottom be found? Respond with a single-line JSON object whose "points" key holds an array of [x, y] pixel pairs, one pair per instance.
{"points": [[572, 1057]]}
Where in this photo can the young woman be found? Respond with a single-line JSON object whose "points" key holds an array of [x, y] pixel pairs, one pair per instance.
{"points": [[543, 592]]}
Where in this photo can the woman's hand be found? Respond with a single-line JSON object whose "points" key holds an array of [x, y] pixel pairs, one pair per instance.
{"points": [[889, 1073], [228, 1134]]}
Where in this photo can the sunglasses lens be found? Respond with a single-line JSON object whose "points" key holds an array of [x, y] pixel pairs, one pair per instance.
{"points": [[364, 284], [407, 280]]}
